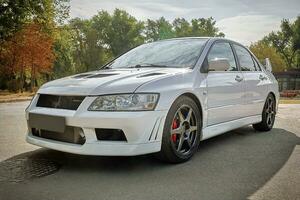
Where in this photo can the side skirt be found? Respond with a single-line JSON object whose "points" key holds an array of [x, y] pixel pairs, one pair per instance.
{"points": [[218, 129]]}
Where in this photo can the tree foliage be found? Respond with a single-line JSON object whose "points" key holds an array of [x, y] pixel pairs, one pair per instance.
{"points": [[286, 42], [37, 45], [158, 29], [263, 50], [89, 53], [15, 13], [119, 31], [197, 28], [28, 51], [63, 48]]}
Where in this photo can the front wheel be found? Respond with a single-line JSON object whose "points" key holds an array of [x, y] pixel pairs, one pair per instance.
{"points": [[268, 115], [181, 135]]}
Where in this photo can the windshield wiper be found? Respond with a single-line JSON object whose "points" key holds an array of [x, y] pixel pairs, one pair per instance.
{"points": [[105, 67]]}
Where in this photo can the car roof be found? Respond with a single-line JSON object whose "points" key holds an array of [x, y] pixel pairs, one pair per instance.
{"points": [[212, 39]]}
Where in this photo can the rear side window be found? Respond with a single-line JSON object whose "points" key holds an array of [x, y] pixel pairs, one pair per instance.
{"points": [[245, 59], [256, 65], [223, 50]]}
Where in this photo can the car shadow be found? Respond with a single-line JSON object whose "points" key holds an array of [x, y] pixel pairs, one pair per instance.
{"points": [[230, 166]]}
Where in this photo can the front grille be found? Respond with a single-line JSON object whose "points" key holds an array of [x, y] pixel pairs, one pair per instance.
{"points": [[60, 102], [71, 135], [110, 134]]}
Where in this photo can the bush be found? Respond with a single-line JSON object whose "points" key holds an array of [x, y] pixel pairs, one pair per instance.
{"points": [[12, 85]]}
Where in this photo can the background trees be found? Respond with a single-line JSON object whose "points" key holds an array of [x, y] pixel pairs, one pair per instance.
{"points": [[119, 31], [263, 50], [286, 42], [29, 51], [38, 44], [27, 33]]}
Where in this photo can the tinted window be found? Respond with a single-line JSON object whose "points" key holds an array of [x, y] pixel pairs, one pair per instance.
{"points": [[173, 53], [222, 50], [245, 59], [256, 65]]}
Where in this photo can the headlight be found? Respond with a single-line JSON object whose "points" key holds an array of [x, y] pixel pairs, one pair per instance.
{"points": [[125, 102]]}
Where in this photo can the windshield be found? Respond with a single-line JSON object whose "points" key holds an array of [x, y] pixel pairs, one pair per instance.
{"points": [[178, 53]]}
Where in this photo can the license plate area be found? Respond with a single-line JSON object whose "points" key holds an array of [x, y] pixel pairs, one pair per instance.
{"points": [[47, 122]]}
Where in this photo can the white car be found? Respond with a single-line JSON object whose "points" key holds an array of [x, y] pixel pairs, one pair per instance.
{"points": [[162, 97]]}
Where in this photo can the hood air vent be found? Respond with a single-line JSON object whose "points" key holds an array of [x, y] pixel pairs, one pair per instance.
{"points": [[82, 75], [92, 75], [100, 75], [151, 74]]}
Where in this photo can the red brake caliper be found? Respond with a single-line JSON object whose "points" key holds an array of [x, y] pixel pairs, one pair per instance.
{"points": [[174, 126]]}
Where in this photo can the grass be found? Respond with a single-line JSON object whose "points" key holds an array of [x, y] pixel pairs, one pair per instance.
{"points": [[289, 101]]}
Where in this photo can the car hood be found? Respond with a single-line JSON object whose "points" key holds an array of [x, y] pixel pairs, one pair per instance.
{"points": [[106, 81]]}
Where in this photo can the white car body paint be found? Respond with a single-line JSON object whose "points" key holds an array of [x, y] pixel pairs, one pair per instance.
{"points": [[226, 104]]}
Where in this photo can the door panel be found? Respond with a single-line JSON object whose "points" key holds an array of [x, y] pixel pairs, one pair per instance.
{"points": [[225, 97], [255, 81], [224, 88], [255, 92]]}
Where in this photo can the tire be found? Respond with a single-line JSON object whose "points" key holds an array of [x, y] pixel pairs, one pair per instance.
{"points": [[268, 115], [181, 134]]}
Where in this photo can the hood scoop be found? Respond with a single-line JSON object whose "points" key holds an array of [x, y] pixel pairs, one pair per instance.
{"points": [[151, 74]]}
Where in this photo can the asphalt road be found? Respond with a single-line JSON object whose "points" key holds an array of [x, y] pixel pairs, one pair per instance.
{"points": [[241, 164]]}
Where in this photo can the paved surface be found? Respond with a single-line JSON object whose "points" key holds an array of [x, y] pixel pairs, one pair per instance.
{"points": [[241, 164]]}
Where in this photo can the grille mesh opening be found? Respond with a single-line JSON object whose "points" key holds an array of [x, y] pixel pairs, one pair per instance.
{"points": [[60, 102], [71, 135], [110, 134]]}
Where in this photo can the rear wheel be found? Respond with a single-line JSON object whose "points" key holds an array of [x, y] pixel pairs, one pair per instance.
{"points": [[181, 135], [268, 115]]}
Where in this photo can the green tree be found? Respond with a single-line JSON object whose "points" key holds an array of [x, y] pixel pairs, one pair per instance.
{"points": [[205, 27], [64, 47], [286, 41], [263, 50], [119, 31], [158, 29], [15, 13], [182, 27], [201, 27], [89, 53]]}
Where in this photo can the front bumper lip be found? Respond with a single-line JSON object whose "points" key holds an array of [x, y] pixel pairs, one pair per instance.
{"points": [[97, 148]]}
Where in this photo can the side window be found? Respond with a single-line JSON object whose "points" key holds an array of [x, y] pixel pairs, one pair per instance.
{"points": [[256, 64], [244, 58], [222, 50]]}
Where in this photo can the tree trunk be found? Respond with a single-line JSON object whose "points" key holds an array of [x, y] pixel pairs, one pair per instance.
{"points": [[21, 85], [32, 77]]}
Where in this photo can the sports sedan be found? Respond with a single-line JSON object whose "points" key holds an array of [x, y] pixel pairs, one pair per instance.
{"points": [[162, 97]]}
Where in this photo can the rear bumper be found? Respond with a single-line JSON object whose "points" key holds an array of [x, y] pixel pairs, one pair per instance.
{"points": [[143, 131]]}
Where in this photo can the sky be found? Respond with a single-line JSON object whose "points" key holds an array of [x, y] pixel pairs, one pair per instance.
{"points": [[245, 21]]}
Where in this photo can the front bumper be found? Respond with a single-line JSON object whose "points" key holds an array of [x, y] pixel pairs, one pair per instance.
{"points": [[143, 131]]}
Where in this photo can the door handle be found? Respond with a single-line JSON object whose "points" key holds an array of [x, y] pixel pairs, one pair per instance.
{"points": [[238, 78], [262, 77]]}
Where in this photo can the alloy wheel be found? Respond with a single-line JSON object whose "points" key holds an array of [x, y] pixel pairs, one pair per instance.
{"points": [[270, 111], [184, 130]]}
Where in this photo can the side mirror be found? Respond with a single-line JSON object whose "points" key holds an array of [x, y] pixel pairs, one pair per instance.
{"points": [[218, 64], [268, 65]]}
